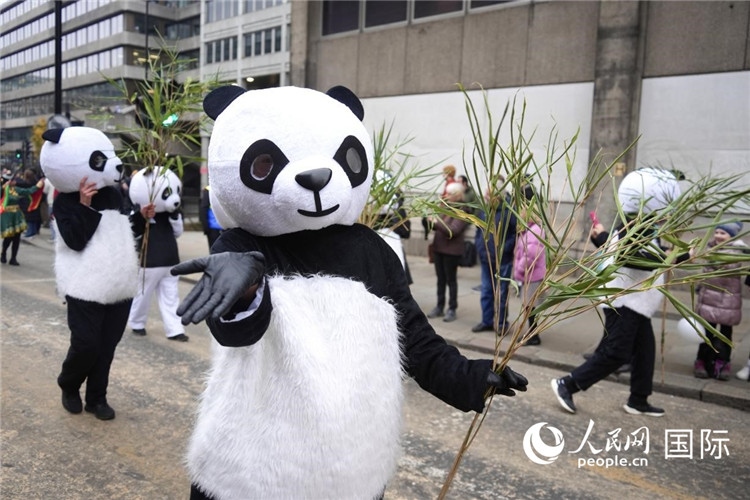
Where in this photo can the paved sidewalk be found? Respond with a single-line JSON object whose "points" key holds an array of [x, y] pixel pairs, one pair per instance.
{"points": [[563, 343]]}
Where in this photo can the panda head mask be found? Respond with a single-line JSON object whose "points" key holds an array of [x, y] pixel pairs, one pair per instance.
{"points": [[70, 154], [287, 159], [647, 190], [162, 187]]}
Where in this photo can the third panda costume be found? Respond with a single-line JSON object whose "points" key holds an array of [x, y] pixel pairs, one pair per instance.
{"points": [[312, 311]]}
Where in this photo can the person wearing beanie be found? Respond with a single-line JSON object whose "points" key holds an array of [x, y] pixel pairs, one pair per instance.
{"points": [[720, 304]]}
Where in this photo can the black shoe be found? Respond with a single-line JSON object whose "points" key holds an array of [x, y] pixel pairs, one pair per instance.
{"points": [[71, 401], [481, 327], [643, 409], [587, 355], [435, 313], [477, 288], [3, 259], [102, 411], [450, 315], [139, 331], [179, 338], [13, 262], [535, 340], [564, 397]]}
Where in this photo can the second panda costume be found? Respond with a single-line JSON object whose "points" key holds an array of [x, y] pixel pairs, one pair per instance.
{"points": [[161, 189], [312, 311]]}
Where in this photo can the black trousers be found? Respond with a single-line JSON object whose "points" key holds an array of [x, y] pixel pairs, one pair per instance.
{"points": [[446, 269], [95, 331], [723, 352], [628, 338]]}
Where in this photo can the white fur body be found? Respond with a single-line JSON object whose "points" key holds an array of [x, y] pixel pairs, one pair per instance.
{"points": [[106, 270], [312, 410], [646, 302]]}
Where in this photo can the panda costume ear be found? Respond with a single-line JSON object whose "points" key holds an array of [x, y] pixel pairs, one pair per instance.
{"points": [[218, 99], [53, 135], [347, 97]]}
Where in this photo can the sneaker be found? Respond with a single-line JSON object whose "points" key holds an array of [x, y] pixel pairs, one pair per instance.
{"points": [[481, 327], [71, 401], [535, 340], [722, 370], [435, 313], [744, 374], [450, 315], [699, 369], [643, 409], [179, 338], [564, 397], [102, 411], [139, 331]]}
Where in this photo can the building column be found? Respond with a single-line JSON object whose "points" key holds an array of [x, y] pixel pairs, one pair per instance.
{"points": [[617, 92]]}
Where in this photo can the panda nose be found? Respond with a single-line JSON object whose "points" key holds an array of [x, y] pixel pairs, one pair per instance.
{"points": [[176, 204], [314, 180]]}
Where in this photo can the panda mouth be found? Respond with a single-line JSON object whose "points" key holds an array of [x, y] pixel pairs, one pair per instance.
{"points": [[319, 212]]}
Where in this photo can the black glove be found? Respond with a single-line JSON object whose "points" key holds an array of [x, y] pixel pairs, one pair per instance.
{"points": [[506, 381], [226, 278]]}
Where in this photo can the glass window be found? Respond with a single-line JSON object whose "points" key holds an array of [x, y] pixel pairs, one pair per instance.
{"points": [[380, 12], [234, 47], [267, 45], [105, 28], [277, 39], [209, 53], [248, 50], [258, 43], [248, 6], [227, 49], [340, 16], [484, 3], [425, 8]]}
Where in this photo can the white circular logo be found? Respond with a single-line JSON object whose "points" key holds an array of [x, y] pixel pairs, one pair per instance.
{"points": [[537, 450]]}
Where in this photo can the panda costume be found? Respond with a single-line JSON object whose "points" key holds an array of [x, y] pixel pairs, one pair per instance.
{"points": [[312, 311], [163, 189], [95, 242], [644, 195]]}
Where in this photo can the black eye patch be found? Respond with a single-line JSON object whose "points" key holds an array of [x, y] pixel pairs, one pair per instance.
{"points": [[97, 160], [352, 158], [166, 193], [261, 164]]}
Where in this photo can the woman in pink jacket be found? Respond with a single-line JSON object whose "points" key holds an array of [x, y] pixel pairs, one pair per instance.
{"points": [[529, 268]]}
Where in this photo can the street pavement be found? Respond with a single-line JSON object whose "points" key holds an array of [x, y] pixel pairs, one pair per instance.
{"points": [[562, 343]]}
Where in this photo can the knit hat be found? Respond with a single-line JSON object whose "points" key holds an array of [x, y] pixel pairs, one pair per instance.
{"points": [[732, 228]]}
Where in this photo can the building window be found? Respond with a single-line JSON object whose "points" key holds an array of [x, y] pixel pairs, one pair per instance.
{"points": [[378, 13], [426, 8], [277, 39], [340, 16], [474, 4]]}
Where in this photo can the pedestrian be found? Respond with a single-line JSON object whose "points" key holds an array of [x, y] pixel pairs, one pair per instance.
{"points": [[157, 205], [12, 220], [30, 204], [529, 268], [448, 246], [211, 227], [50, 194], [495, 278], [470, 196], [644, 195], [720, 304], [96, 265], [449, 176]]}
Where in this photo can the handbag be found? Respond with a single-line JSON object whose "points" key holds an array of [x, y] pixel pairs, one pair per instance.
{"points": [[469, 257]]}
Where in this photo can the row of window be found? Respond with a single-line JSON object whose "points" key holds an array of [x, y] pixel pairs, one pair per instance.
{"points": [[217, 10], [260, 42], [340, 16], [89, 97], [97, 31]]}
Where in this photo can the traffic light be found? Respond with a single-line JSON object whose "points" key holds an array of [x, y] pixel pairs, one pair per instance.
{"points": [[26, 150], [19, 154]]}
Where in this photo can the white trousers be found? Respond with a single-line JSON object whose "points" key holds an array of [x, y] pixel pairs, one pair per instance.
{"points": [[157, 280]]}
